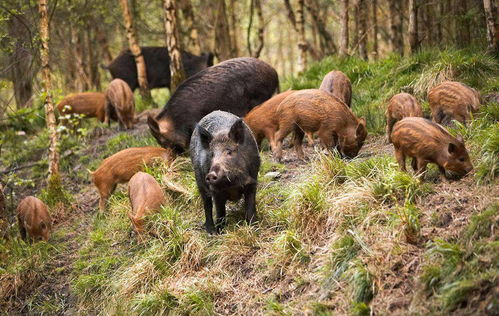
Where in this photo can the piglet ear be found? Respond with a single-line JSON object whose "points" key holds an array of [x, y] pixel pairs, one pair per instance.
{"points": [[236, 132], [452, 148], [205, 136], [460, 139]]}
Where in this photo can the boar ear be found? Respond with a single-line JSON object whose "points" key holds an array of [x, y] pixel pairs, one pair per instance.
{"points": [[205, 136], [153, 124], [362, 121], [460, 139], [452, 148], [360, 127], [236, 132]]}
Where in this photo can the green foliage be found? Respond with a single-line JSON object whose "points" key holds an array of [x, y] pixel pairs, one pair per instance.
{"points": [[361, 281], [55, 193], [482, 225], [463, 273]]}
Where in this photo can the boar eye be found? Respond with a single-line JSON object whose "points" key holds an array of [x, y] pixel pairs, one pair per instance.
{"points": [[462, 159], [229, 152]]}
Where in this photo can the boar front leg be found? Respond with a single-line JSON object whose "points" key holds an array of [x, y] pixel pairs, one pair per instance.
{"points": [[220, 208], [250, 203], [208, 212]]}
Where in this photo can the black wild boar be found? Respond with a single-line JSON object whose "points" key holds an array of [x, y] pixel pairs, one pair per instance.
{"points": [[226, 163], [157, 66], [236, 86]]}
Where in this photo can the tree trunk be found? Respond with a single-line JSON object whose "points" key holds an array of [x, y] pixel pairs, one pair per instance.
{"points": [[463, 27], [302, 44], [326, 38], [21, 62], [492, 25], [47, 85], [101, 38], [137, 53], [192, 31], [374, 7], [396, 41], [93, 58], [362, 11], [255, 5], [413, 26], [344, 28], [234, 28], [355, 40], [83, 79], [223, 45], [173, 45]]}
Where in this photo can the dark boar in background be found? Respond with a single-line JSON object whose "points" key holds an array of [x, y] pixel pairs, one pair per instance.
{"points": [[120, 103], [401, 105], [338, 84], [452, 100], [226, 163], [157, 66], [34, 219], [235, 86], [427, 142]]}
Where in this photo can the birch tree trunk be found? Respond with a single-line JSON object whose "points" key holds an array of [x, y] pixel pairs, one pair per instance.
{"points": [[173, 45], [492, 26], [47, 86], [344, 28], [192, 32], [302, 44], [413, 26], [135, 49]]}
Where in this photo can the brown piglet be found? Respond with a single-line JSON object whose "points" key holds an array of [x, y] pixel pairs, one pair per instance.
{"points": [[262, 119], [120, 167], [120, 103], [34, 219], [145, 196], [338, 84], [315, 110], [452, 100], [401, 105], [427, 142], [90, 104]]}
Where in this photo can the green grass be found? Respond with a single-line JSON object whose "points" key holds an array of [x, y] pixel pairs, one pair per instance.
{"points": [[460, 274]]}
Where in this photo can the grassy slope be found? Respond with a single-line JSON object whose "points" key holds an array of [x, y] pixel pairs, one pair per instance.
{"points": [[333, 237]]}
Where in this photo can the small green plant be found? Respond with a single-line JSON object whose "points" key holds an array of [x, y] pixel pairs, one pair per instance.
{"points": [[409, 217], [55, 193]]}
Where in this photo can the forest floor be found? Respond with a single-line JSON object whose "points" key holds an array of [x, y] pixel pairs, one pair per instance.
{"points": [[339, 237], [445, 213]]}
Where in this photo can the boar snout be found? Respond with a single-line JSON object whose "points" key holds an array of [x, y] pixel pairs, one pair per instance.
{"points": [[215, 175]]}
